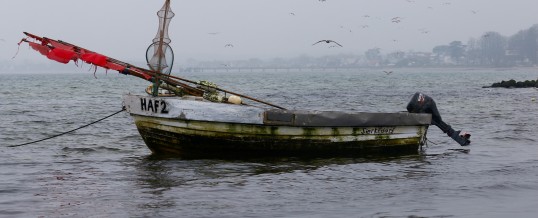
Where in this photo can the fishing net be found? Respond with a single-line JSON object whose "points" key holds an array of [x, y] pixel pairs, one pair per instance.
{"points": [[159, 54], [160, 60]]}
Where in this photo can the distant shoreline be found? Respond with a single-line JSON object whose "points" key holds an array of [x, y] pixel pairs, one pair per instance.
{"points": [[63, 69]]}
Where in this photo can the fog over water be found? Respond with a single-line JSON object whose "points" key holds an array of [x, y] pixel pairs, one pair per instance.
{"points": [[259, 29]]}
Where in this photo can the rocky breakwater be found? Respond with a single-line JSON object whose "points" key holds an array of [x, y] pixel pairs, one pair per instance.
{"points": [[514, 84]]}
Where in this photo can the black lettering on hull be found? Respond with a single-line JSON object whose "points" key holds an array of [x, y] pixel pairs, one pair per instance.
{"points": [[143, 105], [153, 106]]}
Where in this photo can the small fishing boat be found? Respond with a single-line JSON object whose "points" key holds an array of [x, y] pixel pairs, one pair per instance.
{"points": [[194, 126], [199, 119]]}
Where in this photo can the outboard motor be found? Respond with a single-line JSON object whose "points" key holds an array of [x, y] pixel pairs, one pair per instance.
{"points": [[421, 103]]}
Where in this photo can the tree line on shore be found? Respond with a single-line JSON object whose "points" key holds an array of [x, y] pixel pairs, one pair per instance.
{"points": [[491, 49]]}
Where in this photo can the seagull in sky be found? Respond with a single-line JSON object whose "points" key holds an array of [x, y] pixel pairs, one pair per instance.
{"points": [[328, 41], [229, 45], [387, 72], [424, 30], [396, 19]]}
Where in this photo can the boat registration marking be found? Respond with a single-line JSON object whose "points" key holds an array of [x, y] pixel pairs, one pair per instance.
{"points": [[153, 105], [377, 130]]}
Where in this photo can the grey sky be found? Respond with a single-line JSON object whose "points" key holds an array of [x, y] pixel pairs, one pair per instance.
{"points": [[258, 28]]}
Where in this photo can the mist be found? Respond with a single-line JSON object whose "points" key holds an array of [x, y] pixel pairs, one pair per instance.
{"points": [[262, 29]]}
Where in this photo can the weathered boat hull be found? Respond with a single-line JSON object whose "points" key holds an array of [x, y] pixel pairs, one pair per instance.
{"points": [[272, 133]]}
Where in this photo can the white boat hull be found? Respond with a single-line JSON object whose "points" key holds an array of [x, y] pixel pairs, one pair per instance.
{"points": [[200, 128]]}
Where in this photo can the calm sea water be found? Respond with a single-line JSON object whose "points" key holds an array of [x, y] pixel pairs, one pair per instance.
{"points": [[105, 170]]}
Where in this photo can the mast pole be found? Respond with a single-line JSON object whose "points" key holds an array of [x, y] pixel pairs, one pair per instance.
{"points": [[156, 82]]}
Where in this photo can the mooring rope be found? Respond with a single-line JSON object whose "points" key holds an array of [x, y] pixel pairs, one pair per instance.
{"points": [[54, 136], [432, 142]]}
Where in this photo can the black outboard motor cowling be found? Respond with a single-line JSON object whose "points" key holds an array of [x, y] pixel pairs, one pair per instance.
{"points": [[421, 103]]}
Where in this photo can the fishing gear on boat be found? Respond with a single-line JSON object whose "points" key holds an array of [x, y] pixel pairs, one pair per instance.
{"points": [[65, 52]]}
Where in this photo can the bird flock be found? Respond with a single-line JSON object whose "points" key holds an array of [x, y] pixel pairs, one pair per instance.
{"points": [[333, 43]]}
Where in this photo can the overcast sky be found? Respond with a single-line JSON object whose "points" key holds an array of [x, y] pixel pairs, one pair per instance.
{"points": [[259, 28]]}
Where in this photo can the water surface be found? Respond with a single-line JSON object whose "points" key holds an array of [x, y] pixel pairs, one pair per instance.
{"points": [[105, 170]]}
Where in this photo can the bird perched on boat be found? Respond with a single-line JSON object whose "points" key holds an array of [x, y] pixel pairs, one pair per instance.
{"points": [[328, 41]]}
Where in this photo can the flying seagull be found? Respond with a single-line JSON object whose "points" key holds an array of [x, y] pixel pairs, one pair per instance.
{"points": [[328, 41], [387, 72], [424, 30], [228, 45]]}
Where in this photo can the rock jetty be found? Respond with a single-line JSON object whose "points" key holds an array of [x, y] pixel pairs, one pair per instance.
{"points": [[513, 84]]}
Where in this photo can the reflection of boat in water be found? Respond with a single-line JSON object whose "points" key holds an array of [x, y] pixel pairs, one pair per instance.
{"points": [[201, 119]]}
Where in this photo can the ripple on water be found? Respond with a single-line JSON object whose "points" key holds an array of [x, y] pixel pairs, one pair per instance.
{"points": [[106, 170]]}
